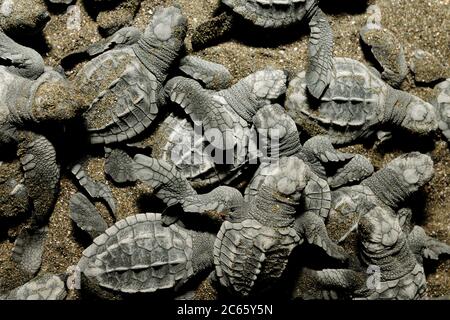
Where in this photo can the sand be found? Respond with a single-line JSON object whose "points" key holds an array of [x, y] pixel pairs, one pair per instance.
{"points": [[419, 24]]}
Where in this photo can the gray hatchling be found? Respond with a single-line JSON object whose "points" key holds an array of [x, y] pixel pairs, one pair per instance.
{"points": [[385, 47], [23, 17], [278, 14], [226, 116], [254, 243], [356, 105], [32, 97], [139, 254], [43, 287], [124, 85], [441, 102], [392, 269], [388, 188], [279, 133]]}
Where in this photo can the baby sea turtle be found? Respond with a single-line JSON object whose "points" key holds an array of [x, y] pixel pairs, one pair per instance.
{"points": [[254, 243], [33, 96], [279, 133], [225, 117], [357, 104], [393, 272], [441, 102], [388, 188], [278, 14], [23, 17], [124, 84], [385, 47], [139, 254]]}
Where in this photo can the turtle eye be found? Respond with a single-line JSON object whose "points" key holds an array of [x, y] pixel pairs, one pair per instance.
{"points": [[411, 176], [418, 113]]}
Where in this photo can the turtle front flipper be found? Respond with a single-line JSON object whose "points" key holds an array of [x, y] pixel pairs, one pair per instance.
{"points": [[28, 249], [20, 60], [322, 148], [95, 189], [119, 166], [41, 172], [312, 228], [320, 53], [43, 287], [328, 283], [167, 183], [205, 109], [355, 170], [213, 75], [424, 246], [86, 215]]}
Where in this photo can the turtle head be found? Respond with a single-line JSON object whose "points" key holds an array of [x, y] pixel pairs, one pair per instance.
{"points": [[414, 169], [168, 27], [288, 178], [58, 101], [378, 230], [420, 117]]}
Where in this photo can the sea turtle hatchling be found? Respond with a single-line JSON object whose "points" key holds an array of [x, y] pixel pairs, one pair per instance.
{"points": [[357, 104], [387, 251], [225, 117], [254, 244], [43, 287], [32, 97], [278, 14], [279, 133], [123, 85], [441, 102], [388, 188], [139, 254]]}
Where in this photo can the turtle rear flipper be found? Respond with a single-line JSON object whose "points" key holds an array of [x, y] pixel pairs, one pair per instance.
{"points": [[328, 283], [86, 216], [323, 149], [28, 249], [20, 60], [95, 189], [213, 75], [425, 246], [119, 166], [168, 184], [311, 227], [357, 169], [320, 52], [43, 287], [42, 173]]}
